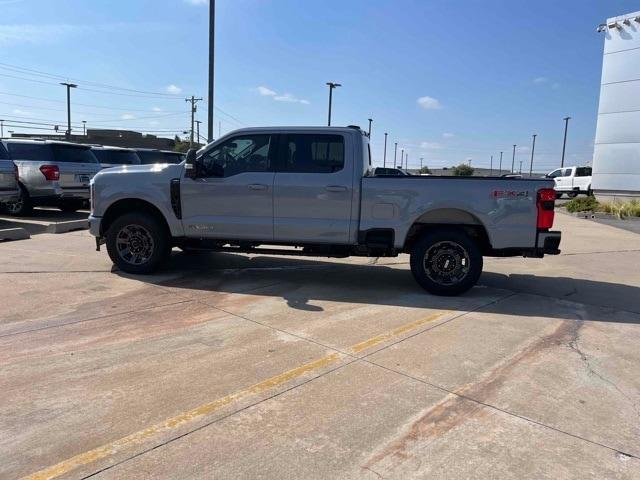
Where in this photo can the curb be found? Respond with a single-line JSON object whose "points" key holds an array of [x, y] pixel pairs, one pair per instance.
{"points": [[14, 234], [70, 226]]}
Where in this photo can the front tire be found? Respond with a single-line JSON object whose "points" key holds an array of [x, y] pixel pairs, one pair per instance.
{"points": [[138, 243], [446, 262], [572, 194]]}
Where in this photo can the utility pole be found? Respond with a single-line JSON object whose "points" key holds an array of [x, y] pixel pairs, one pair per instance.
{"points": [[564, 143], [212, 29], [332, 85], [491, 168], [193, 101], [69, 87], [421, 159], [513, 159], [384, 158], [84, 128], [406, 163], [500, 171], [198, 122], [395, 155], [401, 158], [370, 121], [533, 149], [520, 167]]}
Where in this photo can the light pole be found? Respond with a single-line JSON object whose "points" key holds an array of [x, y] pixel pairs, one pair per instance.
{"points": [[1, 128], [421, 159], [406, 162], [84, 128], [533, 149], [332, 85], [513, 159], [384, 157], [520, 171], [500, 170], [395, 155], [198, 122], [564, 143], [370, 121], [69, 87], [212, 29], [491, 167], [401, 157]]}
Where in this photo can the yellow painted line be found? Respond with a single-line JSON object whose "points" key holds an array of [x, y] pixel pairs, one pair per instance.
{"points": [[139, 437], [358, 347]]}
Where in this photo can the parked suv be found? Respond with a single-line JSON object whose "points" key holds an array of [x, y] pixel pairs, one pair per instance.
{"points": [[9, 190], [114, 156], [152, 155], [51, 173]]}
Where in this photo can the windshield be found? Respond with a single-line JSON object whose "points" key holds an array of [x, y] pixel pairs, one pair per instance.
{"points": [[149, 156], [117, 157], [73, 154]]}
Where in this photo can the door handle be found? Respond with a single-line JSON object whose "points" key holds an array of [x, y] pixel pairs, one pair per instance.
{"points": [[257, 186], [335, 188]]}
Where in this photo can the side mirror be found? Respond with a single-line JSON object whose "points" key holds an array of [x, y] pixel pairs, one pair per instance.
{"points": [[191, 164]]}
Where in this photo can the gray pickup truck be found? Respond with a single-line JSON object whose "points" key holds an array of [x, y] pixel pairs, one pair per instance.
{"points": [[52, 173], [9, 190], [308, 191]]}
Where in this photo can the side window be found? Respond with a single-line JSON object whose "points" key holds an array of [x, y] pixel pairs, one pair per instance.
{"points": [[248, 153], [555, 173], [31, 151], [567, 172], [583, 171], [313, 153]]}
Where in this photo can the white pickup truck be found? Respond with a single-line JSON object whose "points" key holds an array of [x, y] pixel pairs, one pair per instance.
{"points": [[310, 191], [571, 180]]}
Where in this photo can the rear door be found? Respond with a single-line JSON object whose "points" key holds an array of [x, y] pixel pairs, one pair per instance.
{"points": [[77, 165], [313, 189]]}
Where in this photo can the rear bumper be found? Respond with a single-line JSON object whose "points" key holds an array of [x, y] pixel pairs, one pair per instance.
{"points": [[81, 193], [548, 243]]}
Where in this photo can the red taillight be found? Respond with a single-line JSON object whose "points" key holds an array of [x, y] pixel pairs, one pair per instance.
{"points": [[545, 203], [50, 172]]}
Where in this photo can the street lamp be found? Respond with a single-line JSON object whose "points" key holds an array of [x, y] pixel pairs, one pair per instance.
{"points": [[564, 143], [513, 159], [491, 167], [332, 85], [84, 128], [370, 121], [395, 155], [384, 158], [401, 157], [533, 149], [500, 170], [69, 87]]}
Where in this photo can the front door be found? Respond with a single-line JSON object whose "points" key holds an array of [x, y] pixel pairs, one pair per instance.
{"points": [[313, 189], [232, 196]]}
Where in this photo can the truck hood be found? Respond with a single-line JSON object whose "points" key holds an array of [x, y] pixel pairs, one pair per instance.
{"points": [[153, 171]]}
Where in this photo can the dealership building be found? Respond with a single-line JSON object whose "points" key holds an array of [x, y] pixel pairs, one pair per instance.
{"points": [[616, 161]]}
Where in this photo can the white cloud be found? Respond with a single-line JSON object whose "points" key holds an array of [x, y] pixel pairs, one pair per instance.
{"points": [[429, 103], [448, 135], [127, 116], [266, 92], [197, 3], [156, 109], [283, 97], [174, 89], [287, 97], [540, 80], [430, 145]]}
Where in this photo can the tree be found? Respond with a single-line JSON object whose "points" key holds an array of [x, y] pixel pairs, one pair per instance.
{"points": [[424, 170], [180, 146], [463, 170]]}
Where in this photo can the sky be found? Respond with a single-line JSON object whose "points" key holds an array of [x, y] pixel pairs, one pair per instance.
{"points": [[449, 81]]}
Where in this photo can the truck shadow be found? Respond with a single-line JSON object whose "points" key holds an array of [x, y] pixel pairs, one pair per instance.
{"points": [[304, 282]]}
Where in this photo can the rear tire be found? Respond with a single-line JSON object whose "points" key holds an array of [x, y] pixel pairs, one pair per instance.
{"points": [[446, 262], [138, 243], [21, 207], [558, 195], [572, 194]]}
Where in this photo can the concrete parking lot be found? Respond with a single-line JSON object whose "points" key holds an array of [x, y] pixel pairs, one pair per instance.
{"points": [[237, 366]]}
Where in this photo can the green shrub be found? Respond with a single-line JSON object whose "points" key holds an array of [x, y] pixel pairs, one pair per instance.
{"points": [[463, 170], [582, 204]]}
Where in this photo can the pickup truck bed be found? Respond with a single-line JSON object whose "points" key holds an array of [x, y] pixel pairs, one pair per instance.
{"points": [[312, 188]]}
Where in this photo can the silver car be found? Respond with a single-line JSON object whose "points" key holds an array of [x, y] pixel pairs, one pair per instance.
{"points": [[9, 190], [51, 173], [115, 156]]}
